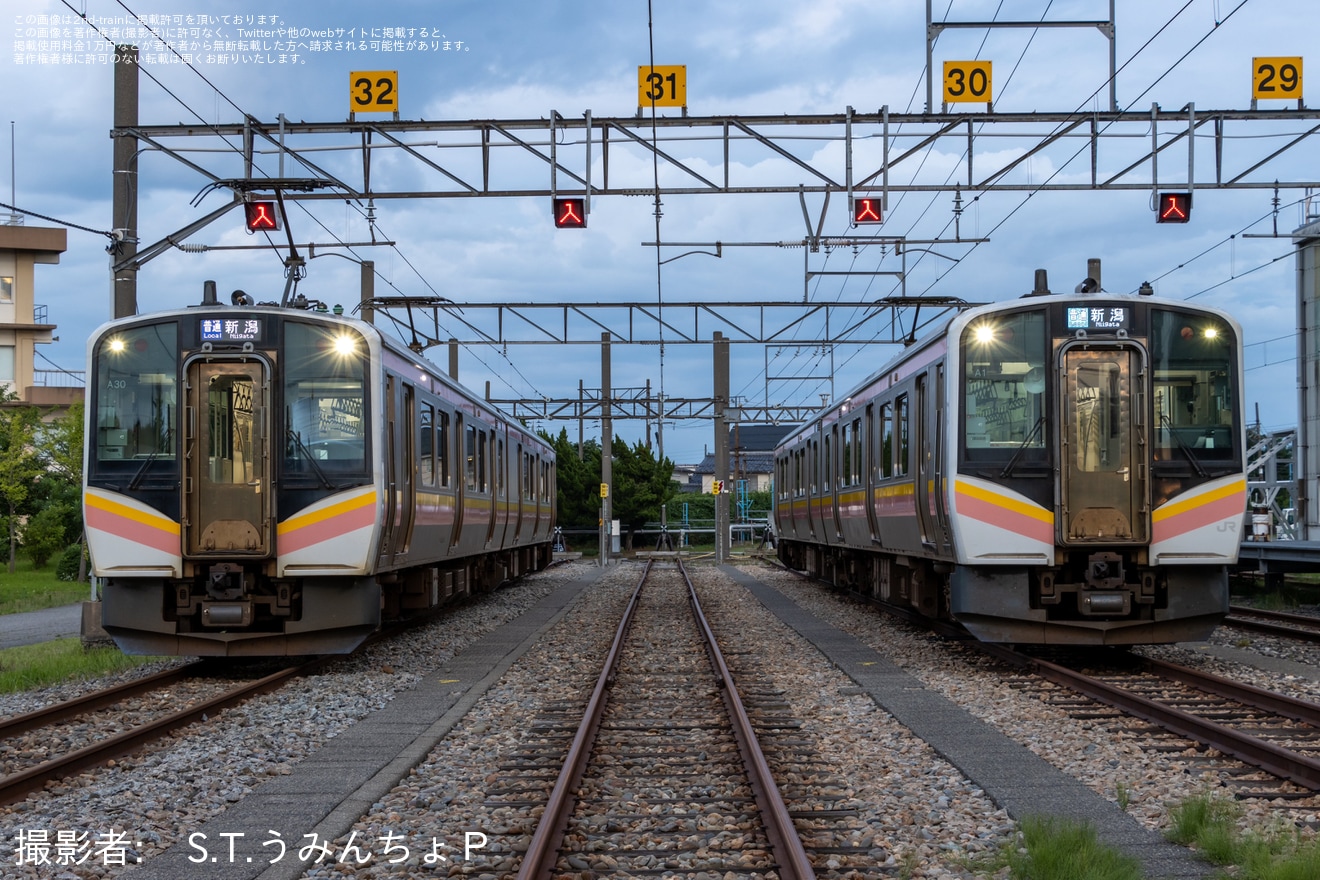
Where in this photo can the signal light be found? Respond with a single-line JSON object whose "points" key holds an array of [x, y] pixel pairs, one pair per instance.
{"points": [[867, 211], [1174, 207], [571, 213], [262, 216]]}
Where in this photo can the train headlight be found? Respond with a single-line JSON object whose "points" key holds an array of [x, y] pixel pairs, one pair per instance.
{"points": [[116, 345], [1211, 332], [345, 345], [985, 334]]}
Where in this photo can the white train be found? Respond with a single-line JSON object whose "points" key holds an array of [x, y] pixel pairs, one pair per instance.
{"points": [[1054, 469], [263, 480]]}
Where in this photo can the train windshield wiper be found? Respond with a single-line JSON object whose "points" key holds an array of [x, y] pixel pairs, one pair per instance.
{"points": [[1017, 453], [142, 470], [1191, 456], [307, 453]]}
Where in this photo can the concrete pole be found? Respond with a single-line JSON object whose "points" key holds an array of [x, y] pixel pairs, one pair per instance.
{"points": [[453, 358], [720, 348], [124, 189], [606, 449], [1307, 451], [367, 313]]}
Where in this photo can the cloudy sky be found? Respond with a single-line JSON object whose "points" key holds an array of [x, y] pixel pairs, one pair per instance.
{"points": [[509, 59]]}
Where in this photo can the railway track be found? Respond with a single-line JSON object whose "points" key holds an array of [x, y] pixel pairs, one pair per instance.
{"points": [[1278, 734], [1303, 627], [664, 773], [68, 737]]}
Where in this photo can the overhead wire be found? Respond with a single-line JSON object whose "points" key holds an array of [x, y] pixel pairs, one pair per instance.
{"points": [[913, 224], [1146, 91], [354, 202]]}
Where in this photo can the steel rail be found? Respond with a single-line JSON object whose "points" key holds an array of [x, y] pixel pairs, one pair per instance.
{"points": [[95, 700], [785, 843], [19, 784], [1286, 625], [1269, 757], [1249, 695], [539, 860]]}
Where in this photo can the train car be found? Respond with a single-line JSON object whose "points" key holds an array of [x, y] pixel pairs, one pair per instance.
{"points": [[1055, 469], [262, 480]]}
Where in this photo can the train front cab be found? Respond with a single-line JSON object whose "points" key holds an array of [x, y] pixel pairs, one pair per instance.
{"points": [[187, 446], [1100, 490]]}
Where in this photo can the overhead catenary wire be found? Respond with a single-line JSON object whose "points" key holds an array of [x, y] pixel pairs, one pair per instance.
{"points": [[355, 203]]}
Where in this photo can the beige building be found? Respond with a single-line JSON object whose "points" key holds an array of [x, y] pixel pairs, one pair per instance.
{"points": [[21, 249]]}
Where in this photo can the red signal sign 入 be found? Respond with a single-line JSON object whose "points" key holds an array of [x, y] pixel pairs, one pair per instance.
{"points": [[1174, 207], [262, 216], [867, 211], [570, 213]]}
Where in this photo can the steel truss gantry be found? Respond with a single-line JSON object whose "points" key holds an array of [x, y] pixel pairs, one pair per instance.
{"points": [[557, 154]]}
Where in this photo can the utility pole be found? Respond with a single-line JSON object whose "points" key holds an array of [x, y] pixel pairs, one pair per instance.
{"points": [[123, 284], [606, 450], [721, 352]]}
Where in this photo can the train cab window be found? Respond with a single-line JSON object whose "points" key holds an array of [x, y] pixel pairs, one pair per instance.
{"points": [[325, 415], [136, 399], [1003, 388], [1193, 370], [426, 448]]}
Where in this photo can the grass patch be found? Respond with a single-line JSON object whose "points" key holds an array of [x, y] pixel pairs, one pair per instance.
{"points": [[33, 666], [32, 589], [1276, 853], [1054, 849]]}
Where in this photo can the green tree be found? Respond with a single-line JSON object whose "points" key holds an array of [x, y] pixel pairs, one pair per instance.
{"points": [[19, 463], [641, 485], [43, 536], [578, 492], [61, 451]]}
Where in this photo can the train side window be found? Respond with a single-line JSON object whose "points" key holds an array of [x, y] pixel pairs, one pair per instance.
{"points": [[901, 427], [483, 462], [813, 465], [442, 448], [499, 466], [845, 455], [426, 447], [827, 477], [470, 458], [886, 440], [855, 472]]}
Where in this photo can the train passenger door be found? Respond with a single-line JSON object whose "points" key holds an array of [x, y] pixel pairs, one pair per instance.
{"points": [[1102, 491], [834, 457], [228, 488], [460, 478], [518, 468], [400, 467], [925, 474], [870, 468], [940, 508]]}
